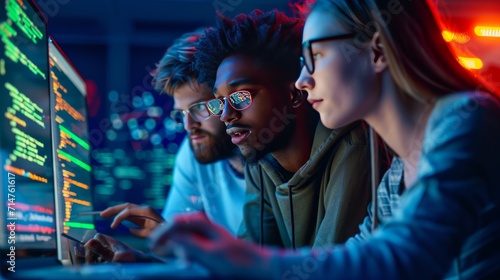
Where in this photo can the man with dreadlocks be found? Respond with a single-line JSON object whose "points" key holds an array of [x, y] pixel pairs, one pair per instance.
{"points": [[309, 184]]}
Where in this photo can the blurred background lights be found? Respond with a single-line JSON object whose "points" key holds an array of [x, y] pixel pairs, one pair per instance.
{"points": [[155, 112], [116, 121], [460, 38], [132, 124], [487, 31], [150, 124], [113, 96], [148, 98], [155, 139], [125, 184], [137, 102], [471, 62], [111, 135], [172, 148]]}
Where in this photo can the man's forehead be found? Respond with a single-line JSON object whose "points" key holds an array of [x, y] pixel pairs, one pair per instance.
{"points": [[240, 70], [187, 95]]}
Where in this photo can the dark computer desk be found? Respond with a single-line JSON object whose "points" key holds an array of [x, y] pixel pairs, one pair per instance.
{"points": [[50, 269]]}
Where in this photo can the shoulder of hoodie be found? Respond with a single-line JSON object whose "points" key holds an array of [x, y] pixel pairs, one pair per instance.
{"points": [[352, 134]]}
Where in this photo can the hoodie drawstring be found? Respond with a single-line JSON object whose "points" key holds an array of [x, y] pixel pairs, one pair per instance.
{"points": [[292, 220], [261, 211]]}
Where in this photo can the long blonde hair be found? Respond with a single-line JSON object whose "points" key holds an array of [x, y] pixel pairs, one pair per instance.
{"points": [[422, 64]]}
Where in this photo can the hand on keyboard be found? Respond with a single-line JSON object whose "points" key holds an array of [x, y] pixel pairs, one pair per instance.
{"points": [[145, 217], [103, 248]]}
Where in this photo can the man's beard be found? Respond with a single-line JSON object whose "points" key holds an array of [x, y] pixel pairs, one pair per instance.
{"points": [[259, 150], [213, 148]]}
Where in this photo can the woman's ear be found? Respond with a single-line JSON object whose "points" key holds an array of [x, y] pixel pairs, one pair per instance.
{"points": [[378, 59]]}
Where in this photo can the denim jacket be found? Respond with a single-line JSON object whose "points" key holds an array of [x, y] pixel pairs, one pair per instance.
{"points": [[447, 224]]}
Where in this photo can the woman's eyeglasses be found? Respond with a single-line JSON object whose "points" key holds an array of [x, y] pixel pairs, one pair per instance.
{"points": [[239, 100], [197, 111], [307, 58]]}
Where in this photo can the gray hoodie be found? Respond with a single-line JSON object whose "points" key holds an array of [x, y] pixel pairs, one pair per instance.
{"points": [[330, 192]]}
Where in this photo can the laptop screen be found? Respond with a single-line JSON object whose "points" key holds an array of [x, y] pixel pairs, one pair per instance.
{"points": [[71, 150], [26, 164]]}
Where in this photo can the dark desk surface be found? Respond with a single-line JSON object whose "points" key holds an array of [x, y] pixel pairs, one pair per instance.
{"points": [[133, 271]]}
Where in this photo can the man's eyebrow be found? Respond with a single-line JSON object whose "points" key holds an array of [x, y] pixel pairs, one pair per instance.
{"points": [[199, 100], [232, 85]]}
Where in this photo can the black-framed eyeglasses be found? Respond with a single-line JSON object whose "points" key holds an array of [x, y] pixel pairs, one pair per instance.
{"points": [[307, 58], [239, 100], [197, 111]]}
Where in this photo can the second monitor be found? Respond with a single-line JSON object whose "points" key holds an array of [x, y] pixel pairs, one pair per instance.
{"points": [[71, 150]]}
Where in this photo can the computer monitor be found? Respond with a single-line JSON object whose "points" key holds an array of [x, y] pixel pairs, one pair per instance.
{"points": [[26, 165], [71, 150]]}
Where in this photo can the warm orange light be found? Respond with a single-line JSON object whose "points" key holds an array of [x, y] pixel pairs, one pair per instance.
{"points": [[471, 62], [460, 38], [447, 36], [487, 31]]}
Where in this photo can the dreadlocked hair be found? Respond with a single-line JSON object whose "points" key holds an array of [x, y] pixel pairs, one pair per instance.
{"points": [[273, 38]]}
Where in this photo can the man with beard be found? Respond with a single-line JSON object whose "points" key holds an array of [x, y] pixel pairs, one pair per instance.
{"points": [[207, 176], [306, 185]]}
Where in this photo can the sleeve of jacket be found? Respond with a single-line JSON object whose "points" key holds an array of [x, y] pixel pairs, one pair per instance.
{"points": [[250, 227], [184, 194], [458, 180], [365, 229]]}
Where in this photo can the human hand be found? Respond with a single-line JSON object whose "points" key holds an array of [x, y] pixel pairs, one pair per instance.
{"points": [[143, 216], [103, 248], [195, 238]]}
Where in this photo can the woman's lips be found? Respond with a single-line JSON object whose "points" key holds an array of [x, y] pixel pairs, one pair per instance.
{"points": [[315, 102]]}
